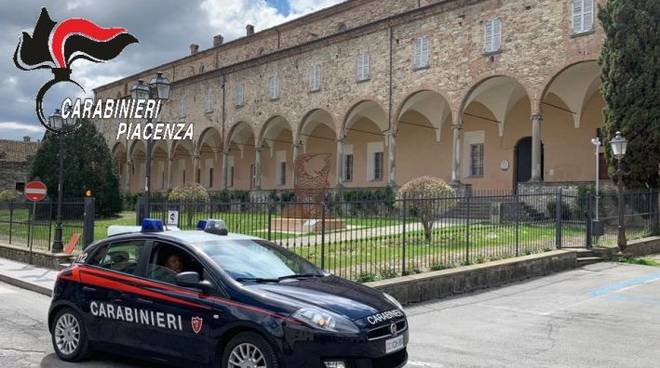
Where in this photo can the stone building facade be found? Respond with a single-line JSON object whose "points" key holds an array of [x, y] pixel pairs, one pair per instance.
{"points": [[485, 93], [15, 162]]}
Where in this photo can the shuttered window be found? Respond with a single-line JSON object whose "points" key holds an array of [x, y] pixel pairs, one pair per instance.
{"points": [[421, 57], [275, 87], [209, 100], [240, 95], [492, 35], [477, 160], [363, 66], [583, 15], [315, 78]]}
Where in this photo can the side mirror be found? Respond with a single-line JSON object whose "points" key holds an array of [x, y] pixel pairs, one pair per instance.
{"points": [[191, 279]]}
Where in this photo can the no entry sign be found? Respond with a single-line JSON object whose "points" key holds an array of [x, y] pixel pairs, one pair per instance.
{"points": [[35, 191]]}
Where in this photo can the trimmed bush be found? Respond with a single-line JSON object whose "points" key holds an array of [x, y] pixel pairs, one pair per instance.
{"points": [[419, 195], [9, 195]]}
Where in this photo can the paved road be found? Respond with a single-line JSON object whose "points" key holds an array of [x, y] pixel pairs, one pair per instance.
{"points": [[605, 315]]}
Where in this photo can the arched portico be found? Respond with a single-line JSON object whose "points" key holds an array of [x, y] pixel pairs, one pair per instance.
{"points": [[240, 156], [136, 166], [182, 171], [494, 116], [120, 161], [572, 106], [363, 146], [275, 154], [209, 160], [423, 137], [316, 134]]}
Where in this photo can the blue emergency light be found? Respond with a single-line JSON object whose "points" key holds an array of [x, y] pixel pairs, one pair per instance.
{"points": [[151, 225], [217, 227]]}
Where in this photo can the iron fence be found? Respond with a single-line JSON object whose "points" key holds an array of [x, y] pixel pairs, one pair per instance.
{"points": [[33, 224], [376, 239]]}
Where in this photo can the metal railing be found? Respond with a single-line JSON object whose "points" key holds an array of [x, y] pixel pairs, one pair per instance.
{"points": [[27, 224], [376, 239]]}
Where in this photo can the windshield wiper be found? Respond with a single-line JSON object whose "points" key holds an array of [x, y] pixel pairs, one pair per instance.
{"points": [[256, 279], [300, 276]]}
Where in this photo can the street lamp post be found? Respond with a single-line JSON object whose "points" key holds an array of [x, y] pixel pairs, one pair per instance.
{"points": [[596, 142], [57, 122], [158, 88], [619, 145]]}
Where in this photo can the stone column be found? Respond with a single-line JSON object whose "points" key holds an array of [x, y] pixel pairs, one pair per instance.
{"points": [[216, 161], [297, 148], [127, 176], [456, 155], [340, 162], [391, 157], [168, 173], [225, 169], [257, 168], [195, 168], [537, 119]]}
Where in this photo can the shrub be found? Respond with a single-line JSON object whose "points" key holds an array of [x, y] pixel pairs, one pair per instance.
{"points": [[388, 273], [9, 195], [367, 277], [565, 210], [419, 195], [190, 196]]}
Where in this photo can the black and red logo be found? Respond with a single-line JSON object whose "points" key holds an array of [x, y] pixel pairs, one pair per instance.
{"points": [[56, 45]]}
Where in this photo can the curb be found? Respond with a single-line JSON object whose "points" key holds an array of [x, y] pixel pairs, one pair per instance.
{"points": [[26, 285]]}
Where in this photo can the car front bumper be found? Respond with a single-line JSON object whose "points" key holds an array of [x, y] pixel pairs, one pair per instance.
{"points": [[307, 348]]}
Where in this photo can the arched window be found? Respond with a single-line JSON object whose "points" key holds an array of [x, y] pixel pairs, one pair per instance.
{"points": [[342, 27]]}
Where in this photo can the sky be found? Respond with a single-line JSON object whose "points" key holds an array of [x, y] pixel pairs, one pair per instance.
{"points": [[165, 29]]}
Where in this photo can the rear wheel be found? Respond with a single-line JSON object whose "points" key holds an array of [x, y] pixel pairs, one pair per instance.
{"points": [[69, 336], [249, 350]]}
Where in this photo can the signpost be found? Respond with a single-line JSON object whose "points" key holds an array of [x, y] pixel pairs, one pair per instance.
{"points": [[35, 191], [173, 218]]}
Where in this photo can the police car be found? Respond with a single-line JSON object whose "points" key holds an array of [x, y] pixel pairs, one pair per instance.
{"points": [[209, 298]]}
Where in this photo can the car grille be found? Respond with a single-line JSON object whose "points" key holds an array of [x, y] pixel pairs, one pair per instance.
{"points": [[384, 331]]}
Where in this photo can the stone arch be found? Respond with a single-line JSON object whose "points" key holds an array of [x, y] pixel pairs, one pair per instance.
{"points": [[181, 156], [272, 127], [276, 155], [366, 108], [574, 84], [434, 106], [236, 129], [212, 137], [499, 94], [313, 120]]}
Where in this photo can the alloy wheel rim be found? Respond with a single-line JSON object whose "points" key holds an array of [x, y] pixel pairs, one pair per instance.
{"points": [[247, 355], [67, 334]]}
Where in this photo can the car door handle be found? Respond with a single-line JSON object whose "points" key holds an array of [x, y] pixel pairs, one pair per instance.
{"points": [[87, 288], [144, 301]]}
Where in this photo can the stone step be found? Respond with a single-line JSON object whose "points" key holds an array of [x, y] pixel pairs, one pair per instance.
{"points": [[583, 261]]}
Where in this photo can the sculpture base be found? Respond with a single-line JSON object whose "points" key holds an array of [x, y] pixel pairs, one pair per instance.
{"points": [[302, 225]]}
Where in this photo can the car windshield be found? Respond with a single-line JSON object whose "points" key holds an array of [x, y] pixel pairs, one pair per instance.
{"points": [[257, 260]]}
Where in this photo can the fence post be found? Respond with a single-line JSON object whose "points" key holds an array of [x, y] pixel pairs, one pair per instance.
{"points": [[589, 220], [270, 218], [88, 221], [558, 218], [31, 234], [138, 211], [323, 234], [50, 225], [403, 234], [517, 223], [467, 231], [11, 218]]}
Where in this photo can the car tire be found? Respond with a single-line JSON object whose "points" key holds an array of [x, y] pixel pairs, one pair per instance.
{"points": [[243, 345], [69, 336]]}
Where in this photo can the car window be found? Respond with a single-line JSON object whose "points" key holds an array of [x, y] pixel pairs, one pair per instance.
{"points": [[166, 261], [121, 257]]}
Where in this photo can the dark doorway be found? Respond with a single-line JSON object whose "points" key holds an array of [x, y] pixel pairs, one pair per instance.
{"points": [[523, 161]]}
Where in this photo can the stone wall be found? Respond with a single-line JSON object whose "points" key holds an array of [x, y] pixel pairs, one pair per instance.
{"points": [[440, 284], [12, 173]]}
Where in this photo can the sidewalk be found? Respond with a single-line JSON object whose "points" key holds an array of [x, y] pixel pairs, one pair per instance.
{"points": [[37, 279]]}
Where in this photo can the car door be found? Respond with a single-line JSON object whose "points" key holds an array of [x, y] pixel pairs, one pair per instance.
{"points": [[189, 316], [109, 290]]}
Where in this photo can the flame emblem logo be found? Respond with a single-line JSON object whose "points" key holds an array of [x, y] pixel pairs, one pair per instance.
{"points": [[56, 46]]}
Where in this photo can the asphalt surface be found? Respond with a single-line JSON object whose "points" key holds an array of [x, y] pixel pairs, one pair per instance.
{"points": [[604, 315]]}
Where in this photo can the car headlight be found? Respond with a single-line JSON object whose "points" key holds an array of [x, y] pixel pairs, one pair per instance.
{"points": [[325, 320], [393, 301]]}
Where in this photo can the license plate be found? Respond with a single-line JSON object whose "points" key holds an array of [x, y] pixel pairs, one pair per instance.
{"points": [[394, 344]]}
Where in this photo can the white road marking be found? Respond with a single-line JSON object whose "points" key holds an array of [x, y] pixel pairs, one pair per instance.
{"points": [[412, 364], [4, 290]]}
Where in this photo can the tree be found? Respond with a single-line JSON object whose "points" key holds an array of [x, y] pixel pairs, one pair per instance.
{"points": [[191, 197], [87, 165], [426, 198], [630, 62]]}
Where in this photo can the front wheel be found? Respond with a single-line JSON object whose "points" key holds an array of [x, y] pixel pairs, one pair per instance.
{"points": [[249, 350], [69, 336]]}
